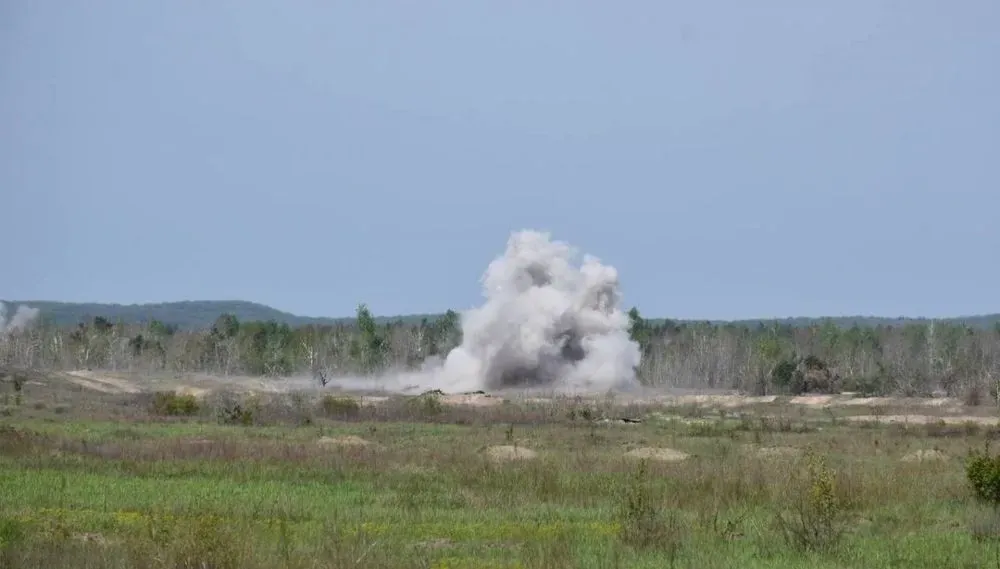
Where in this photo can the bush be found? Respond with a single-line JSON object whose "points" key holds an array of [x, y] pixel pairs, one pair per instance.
{"points": [[426, 405], [817, 521], [236, 414], [983, 472], [334, 406], [785, 377], [170, 403]]}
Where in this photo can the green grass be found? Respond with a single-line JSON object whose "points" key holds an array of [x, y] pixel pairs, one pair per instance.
{"points": [[192, 493]]}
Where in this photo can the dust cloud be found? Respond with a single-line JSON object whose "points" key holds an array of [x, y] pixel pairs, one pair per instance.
{"points": [[22, 318], [547, 322]]}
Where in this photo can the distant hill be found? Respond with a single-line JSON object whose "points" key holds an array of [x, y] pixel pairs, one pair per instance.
{"points": [[984, 321], [197, 314], [186, 315]]}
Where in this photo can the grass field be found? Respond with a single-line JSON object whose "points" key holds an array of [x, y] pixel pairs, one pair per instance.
{"points": [[107, 483]]}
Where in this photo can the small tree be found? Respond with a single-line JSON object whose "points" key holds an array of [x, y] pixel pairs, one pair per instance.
{"points": [[640, 331], [372, 345]]}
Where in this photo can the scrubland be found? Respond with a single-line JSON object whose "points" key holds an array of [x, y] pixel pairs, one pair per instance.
{"points": [[96, 479]]}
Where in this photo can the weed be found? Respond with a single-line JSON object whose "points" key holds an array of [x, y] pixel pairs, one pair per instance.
{"points": [[643, 524]]}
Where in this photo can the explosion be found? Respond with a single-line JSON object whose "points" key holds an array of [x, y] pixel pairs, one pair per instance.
{"points": [[22, 318], [546, 322]]}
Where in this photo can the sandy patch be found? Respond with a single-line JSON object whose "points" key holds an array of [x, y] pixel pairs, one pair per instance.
{"points": [[102, 382], [863, 401], [344, 441], [661, 454], [536, 401], [812, 400], [924, 419], [98, 382], [472, 400], [925, 456], [198, 392], [774, 452], [940, 402], [509, 452], [725, 401], [693, 421]]}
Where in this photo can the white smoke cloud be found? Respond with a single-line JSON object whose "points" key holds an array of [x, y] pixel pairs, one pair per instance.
{"points": [[22, 318], [546, 322]]}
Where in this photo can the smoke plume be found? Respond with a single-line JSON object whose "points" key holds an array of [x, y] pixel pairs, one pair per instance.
{"points": [[22, 318], [546, 322]]}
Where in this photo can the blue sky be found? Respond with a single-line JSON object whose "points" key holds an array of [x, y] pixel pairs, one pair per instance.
{"points": [[731, 159]]}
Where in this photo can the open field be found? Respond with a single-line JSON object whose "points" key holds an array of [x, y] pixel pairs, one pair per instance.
{"points": [[103, 473]]}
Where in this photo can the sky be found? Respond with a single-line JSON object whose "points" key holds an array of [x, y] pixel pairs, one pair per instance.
{"points": [[730, 159]]}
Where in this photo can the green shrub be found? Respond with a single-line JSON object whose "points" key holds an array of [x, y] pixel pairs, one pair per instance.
{"points": [[426, 405], [236, 414], [785, 376], [983, 472], [170, 403], [334, 406]]}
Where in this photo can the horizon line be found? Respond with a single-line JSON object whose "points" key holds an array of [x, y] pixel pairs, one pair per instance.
{"points": [[439, 312]]}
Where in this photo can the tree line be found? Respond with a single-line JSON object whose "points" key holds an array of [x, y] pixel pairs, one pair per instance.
{"points": [[916, 358]]}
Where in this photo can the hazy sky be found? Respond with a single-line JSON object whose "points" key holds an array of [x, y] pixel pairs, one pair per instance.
{"points": [[731, 159]]}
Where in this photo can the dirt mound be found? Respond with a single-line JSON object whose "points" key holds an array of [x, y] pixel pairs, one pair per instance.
{"points": [[661, 454], [509, 452], [344, 441], [925, 456]]}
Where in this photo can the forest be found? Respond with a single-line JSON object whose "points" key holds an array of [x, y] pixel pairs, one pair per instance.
{"points": [[898, 357]]}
